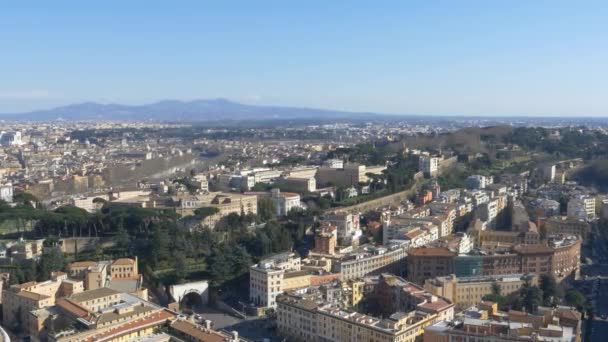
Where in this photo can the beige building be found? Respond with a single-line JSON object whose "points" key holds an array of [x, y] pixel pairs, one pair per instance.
{"points": [[485, 323], [351, 174], [563, 225], [19, 300], [267, 278], [227, 203], [468, 291], [308, 318]]}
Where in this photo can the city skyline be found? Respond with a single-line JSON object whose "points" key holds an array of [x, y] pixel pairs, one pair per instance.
{"points": [[428, 58]]}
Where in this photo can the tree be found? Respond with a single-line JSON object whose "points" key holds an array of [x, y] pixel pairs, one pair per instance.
{"points": [[51, 260], [532, 298], [548, 285], [575, 298], [266, 209], [204, 212], [180, 268], [122, 239]]}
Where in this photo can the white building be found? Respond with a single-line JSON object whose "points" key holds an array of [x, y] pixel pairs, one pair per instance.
{"points": [[6, 192], [582, 208], [284, 202], [334, 163], [348, 227], [428, 165], [266, 278], [476, 182]]}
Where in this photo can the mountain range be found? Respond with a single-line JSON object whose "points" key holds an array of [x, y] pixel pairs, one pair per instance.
{"points": [[175, 110]]}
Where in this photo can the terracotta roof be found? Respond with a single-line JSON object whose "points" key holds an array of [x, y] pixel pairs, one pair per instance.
{"points": [[533, 249], [79, 264], [123, 261], [198, 332], [73, 308], [92, 294], [28, 284], [32, 295], [433, 252], [156, 318]]}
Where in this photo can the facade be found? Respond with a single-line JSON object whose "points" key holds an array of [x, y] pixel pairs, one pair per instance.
{"points": [[560, 257], [310, 318], [6, 192], [284, 202], [266, 278], [326, 240], [485, 323], [226, 203], [428, 165], [19, 300], [424, 263], [299, 184], [372, 260], [347, 225], [467, 291], [582, 208], [350, 174], [564, 225]]}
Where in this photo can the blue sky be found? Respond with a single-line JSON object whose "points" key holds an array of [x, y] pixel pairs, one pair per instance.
{"points": [[411, 57]]}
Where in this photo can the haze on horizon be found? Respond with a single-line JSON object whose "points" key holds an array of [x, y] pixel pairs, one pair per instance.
{"points": [[416, 57]]}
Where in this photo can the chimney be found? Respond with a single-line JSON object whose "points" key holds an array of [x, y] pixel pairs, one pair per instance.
{"points": [[207, 324]]}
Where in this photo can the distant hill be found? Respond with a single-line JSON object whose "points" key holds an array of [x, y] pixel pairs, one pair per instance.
{"points": [[174, 110]]}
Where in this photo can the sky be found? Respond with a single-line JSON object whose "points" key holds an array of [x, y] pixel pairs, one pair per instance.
{"points": [[528, 57]]}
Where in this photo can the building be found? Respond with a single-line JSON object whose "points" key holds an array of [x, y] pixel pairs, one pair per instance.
{"points": [[303, 317], [120, 274], [334, 163], [90, 203], [19, 300], [298, 184], [101, 315], [485, 323], [266, 278], [225, 203], [467, 291], [284, 202], [368, 259], [582, 208], [564, 225], [477, 182], [326, 240], [186, 330], [428, 165], [560, 257], [351, 174], [6, 192], [347, 225], [429, 262]]}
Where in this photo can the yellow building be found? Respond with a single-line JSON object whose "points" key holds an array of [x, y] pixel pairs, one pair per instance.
{"points": [[19, 300], [467, 291]]}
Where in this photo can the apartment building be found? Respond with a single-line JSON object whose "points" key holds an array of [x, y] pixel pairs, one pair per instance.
{"points": [[485, 323], [347, 225], [428, 165], [467, 291], [19, 300], [582, 207], [302, 317], [266, 278], [560, 257], [226, 203], [284, 202], [424, 263], [564, 225], [369, 259]]}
